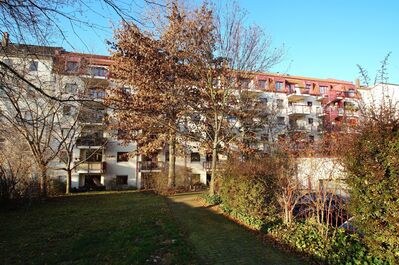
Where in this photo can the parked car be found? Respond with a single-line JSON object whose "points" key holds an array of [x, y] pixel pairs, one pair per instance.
{"points": [[332, 207]]}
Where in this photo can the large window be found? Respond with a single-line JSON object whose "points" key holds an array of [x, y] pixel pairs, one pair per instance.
{"points": [[279, 86], [72, 67], [323, 89], [71, 88], [195, 157], [280, 103], [122, 157], [97, 93], [281, 120], [98, 71], [262, 84], [121, 180]]}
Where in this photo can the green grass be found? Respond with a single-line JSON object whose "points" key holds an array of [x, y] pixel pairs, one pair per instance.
{"points": [[119, 228]]}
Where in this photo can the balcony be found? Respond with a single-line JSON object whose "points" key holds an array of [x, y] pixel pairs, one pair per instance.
{"points": [[92, 120], [298, 128], [94, 141], [86, 167], [297, 95], [150, 165], [299, 110]]}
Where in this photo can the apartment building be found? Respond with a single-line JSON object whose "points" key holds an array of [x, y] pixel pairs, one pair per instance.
{"points": [[301, 106], [379, 95]]}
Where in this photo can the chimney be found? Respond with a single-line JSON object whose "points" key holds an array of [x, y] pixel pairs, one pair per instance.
{"points": [[357, 83], [5, 39]]}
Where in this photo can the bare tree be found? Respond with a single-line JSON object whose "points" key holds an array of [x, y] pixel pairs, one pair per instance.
{"points": [[33, 116], [15, 166], [239, 52]]}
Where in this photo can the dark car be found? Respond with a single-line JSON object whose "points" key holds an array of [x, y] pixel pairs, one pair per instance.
{"points": [[332, 208]]}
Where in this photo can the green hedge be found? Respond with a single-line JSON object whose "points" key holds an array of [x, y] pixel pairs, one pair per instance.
{"points": [[338, 248], [249, 189]]}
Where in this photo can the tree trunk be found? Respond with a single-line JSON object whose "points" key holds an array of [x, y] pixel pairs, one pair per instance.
{"points": [[68, 182], [172, 162], [43, 181], [214, 160]]}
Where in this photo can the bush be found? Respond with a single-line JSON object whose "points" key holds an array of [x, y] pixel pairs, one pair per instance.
{"points": [[159, 181], [338, 247], [249, 189], [303, 237], [211, 199], [372, 165], [57, 187]]}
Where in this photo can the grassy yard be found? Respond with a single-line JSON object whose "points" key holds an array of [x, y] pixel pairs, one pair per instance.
{"points": [[123, 228]]}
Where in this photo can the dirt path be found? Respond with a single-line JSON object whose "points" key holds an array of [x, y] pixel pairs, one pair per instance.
{"points": [[218, 240]]}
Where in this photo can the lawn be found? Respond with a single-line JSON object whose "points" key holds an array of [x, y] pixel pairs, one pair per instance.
{"points": [[120, 228]]}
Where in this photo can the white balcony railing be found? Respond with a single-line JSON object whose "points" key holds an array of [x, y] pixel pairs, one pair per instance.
{"points": [[299, 110]]}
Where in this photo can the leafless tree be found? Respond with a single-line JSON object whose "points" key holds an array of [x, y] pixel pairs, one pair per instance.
{"points": [[239, 52], [16, 181]]}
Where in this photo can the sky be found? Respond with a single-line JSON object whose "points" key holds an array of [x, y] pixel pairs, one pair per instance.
{"points": [[322, 38]]}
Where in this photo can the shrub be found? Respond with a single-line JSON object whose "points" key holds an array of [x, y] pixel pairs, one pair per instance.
{"points": [[249, 188], [338, 248], [159, 181], [57, 187], [303, 237], [372, 165], [211, 199]]}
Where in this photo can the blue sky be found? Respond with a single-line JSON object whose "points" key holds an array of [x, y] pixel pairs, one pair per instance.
{"points": [[324, 39]]}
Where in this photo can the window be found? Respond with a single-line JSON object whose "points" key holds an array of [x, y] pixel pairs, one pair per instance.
{"points": [[308, 86], [33, 66], [91, 155], [323, 89], [97, 93], [126, 90], [311, 138], [262, 84], [122, 157], [121, 180], [72, 67], [196, 117], [310, 103], [310, 120], [67, 110], [263, 100], [71, 88], [245, 83], [281, 120], [98, 71], [195, 157], [279, 86], [280, 103]]}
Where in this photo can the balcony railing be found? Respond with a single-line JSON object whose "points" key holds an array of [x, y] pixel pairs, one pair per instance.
{"points": [[150, 165], [91, 167], [90, 141], [299, 110]]}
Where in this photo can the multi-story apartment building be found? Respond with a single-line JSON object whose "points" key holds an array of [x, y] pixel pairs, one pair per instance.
{"points": [[301, 105], [380, 95]]}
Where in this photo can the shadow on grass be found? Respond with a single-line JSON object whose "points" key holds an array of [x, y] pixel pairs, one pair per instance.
{"points": [[219, 240]]}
